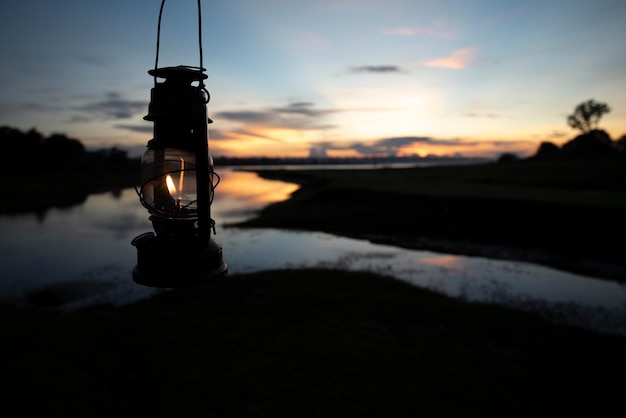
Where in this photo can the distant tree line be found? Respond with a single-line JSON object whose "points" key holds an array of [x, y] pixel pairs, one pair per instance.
{"points": [[32, 150], [58, 171]]}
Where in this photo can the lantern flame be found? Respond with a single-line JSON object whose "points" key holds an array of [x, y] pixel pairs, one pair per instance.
{"points": [[170, 185]]}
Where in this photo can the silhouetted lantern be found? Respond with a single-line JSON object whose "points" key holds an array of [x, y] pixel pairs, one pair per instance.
{"points": [[177, 181], [177, 185]]}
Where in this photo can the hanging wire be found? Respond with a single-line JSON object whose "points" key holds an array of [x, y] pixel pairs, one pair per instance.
{"points": [[200, 42], [156, 60], [158, 43]]}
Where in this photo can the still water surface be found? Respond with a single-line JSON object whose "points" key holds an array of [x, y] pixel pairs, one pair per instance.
{"points": [[83, 256]]}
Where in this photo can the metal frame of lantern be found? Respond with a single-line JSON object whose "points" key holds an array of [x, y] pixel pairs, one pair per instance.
{"points": [[177, 183]]}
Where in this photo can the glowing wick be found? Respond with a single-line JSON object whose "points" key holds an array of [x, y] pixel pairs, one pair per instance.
{"points": [[181, 178], [172, 189]]}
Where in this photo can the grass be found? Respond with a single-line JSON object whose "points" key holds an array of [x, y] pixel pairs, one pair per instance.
{"points": [[564, 182], [304, 343]]}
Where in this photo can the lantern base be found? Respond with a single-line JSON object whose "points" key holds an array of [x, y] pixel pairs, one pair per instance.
{"points": [[168, 263]]}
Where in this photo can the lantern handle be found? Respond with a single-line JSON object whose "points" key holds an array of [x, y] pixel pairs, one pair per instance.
{"points": [[156, 61]]}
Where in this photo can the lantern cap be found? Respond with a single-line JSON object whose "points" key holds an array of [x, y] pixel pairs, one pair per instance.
{"points": [[181, 74], [178, 107]]}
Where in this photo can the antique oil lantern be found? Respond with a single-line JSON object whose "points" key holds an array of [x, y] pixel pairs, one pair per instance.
{"points": [[177, 184]]}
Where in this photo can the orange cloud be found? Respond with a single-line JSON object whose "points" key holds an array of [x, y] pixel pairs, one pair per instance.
{"points": [[402, 31], [459, 59]]}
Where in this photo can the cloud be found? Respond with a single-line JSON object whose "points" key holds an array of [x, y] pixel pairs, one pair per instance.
{"points": [[507, 143], [379, 69], [410, 145], [391, 146], [302, 108], [397, 142], [558, 134], [147, 128], [251, 133], [402, 31], [219, 135], [311, 42], [246, 116], [9, 108], [296, 115], [111, 108], [482, 115], [409, 31], [438, 29], [386, 146], [412, 140], [459, 59]]}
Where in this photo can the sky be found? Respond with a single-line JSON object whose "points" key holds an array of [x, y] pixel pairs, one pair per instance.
{"points": [[337, 78]]}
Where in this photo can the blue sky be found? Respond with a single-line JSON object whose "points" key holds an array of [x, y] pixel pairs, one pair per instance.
{"points": [[325, 77]]}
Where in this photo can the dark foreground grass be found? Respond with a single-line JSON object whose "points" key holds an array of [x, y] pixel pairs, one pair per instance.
{"points": [[306, 343]]}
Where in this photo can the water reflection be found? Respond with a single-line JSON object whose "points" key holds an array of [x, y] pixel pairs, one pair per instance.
{"points": [[240, 193], [82, 256]]}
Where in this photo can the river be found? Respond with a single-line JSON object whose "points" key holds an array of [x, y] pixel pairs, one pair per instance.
{"points": [[81, 256]]}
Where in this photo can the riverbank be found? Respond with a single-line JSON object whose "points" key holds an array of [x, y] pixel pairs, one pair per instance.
{"points": [[565, 215], [309, 343]]}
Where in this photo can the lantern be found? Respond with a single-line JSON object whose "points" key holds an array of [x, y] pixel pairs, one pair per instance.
{"points": [[177, 184]]}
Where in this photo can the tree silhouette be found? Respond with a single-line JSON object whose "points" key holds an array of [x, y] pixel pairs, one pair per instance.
{"points": [[587, 115]]}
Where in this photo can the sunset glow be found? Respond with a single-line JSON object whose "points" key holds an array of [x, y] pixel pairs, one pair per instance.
{"points": [[321, 78]]}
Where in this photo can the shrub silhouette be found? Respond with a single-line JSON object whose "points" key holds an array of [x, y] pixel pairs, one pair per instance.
{"points": [[620, 145], [508, 157], [548, 151], [594, 144]]}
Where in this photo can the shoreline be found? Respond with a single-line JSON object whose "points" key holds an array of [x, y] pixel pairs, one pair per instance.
{"points": [[325, 202], [584, 267]]}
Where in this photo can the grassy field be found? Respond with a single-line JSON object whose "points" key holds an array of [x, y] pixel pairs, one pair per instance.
{"points": [[305, 343], [566, 214]]}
